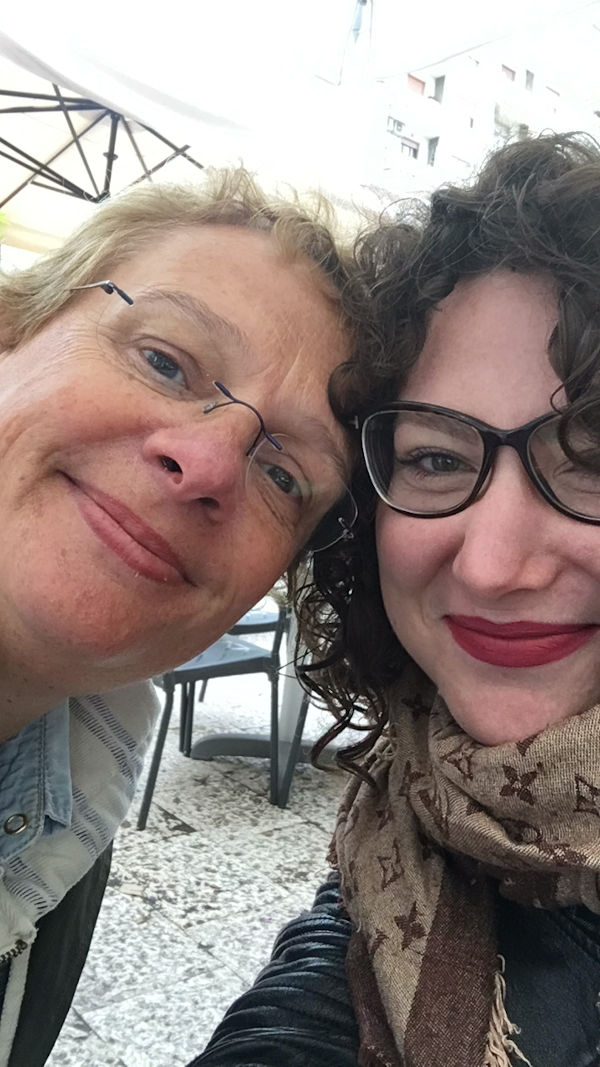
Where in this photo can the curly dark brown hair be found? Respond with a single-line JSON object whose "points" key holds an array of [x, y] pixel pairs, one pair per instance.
{"points": [[534, 208]]}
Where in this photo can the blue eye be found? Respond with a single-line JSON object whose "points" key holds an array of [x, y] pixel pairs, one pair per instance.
{"points": [[164, 365]]}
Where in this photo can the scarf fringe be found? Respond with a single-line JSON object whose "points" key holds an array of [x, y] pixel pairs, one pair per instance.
{"points": [[500, 1046]]}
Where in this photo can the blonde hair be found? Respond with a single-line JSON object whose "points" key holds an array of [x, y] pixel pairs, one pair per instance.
{"points": [[130, 222]]}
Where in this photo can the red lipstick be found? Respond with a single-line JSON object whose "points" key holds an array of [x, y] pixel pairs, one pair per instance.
{"points": [[130, 538], [517, 644]]}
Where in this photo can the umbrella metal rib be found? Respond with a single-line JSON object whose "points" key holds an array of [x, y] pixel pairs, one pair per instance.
{"points": [[41, 171]]}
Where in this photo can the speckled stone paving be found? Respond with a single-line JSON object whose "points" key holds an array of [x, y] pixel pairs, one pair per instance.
{"points": [[195, 901]]}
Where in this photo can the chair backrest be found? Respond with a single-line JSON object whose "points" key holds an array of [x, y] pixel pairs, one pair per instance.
{"points": [[257, 620], [260, 619]]}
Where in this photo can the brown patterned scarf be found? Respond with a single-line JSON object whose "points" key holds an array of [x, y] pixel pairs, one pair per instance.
{"points": [[421, 860]]}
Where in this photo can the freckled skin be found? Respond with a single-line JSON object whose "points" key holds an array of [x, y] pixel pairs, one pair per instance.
{"points": [[77, 406]]}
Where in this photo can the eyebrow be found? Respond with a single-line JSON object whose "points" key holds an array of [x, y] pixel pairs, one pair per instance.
{"points": [[200, 314]]}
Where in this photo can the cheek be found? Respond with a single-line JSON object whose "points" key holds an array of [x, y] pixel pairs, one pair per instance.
{"points": [[400, 564], [584, 552], [413, 556]]}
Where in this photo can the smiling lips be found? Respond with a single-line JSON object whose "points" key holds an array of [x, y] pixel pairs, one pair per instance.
{"points": [[131, 539], [517, 644]]}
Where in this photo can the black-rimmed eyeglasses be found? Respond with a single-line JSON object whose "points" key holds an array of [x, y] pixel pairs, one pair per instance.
{"points": [[429, 461]]}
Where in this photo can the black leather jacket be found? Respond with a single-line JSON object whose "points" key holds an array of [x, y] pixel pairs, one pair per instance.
{"points": [[299, 1013]]}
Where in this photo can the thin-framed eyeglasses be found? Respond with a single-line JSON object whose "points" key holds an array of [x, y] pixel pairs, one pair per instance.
{"points": [[336, 525], [231, 399], [107, 287], [429, 461]]}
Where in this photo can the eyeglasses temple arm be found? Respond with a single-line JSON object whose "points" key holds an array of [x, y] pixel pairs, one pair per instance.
{"points": [[107, 287]]}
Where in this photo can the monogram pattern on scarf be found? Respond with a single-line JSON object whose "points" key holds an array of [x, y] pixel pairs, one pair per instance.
{"points": [[520, 785], [453, 822]]}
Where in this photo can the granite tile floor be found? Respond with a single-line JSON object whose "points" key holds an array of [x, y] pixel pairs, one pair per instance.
{"points": [[195, 901]]}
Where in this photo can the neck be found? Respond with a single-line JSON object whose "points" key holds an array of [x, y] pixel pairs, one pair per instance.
{"points": [[23, 699]]}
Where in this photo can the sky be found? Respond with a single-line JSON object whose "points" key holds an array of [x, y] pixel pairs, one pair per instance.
{"points": [[237, 51], [283, 83]]}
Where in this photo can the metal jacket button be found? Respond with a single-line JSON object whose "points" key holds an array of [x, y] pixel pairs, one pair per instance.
{"points": [[16, 823]]}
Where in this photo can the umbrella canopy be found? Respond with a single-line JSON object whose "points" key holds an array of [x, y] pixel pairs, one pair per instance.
{"points": [[54, 142]]}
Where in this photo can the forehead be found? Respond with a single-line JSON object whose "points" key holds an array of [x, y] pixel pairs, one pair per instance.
{"points": [[241, 273], [257, 320], [486, 349]]}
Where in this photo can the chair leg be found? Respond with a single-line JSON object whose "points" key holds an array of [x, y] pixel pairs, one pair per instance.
{"points": [[156, 756], [287, 772], [182, 716], [189, 718], [274, 776], [203, 690]]}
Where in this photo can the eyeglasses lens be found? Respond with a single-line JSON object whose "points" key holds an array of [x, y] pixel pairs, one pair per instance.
{"points": [[422, 462], [281, 486], [565, 454]]}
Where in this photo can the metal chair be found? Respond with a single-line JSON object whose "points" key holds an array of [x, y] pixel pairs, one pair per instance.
{"points": [[262, 618], [230, 655], [259, 620]]}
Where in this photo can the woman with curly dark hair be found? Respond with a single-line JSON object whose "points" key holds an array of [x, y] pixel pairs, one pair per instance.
{"points": [[462, 627]]}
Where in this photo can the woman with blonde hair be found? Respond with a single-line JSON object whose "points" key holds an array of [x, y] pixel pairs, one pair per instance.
{"points": [[167, 450]]}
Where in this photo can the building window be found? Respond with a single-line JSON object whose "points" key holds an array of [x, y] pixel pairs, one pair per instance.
{"points": [[508, 73], [529, 79], [394, 126], [416, 84], [431, 150], [438, 88], [409, 148]]}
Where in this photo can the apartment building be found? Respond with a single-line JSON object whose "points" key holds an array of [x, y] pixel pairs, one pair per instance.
{"points": [[438, 124]]}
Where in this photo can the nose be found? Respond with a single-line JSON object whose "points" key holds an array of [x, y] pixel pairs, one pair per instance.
{"points": [[510, 538], [204, 461]]}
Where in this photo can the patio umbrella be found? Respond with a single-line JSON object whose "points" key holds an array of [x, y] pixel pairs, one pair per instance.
{"points": [[53, 141]]}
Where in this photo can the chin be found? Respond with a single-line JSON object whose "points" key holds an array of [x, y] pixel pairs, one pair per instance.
{"points": [[508, 719]]}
